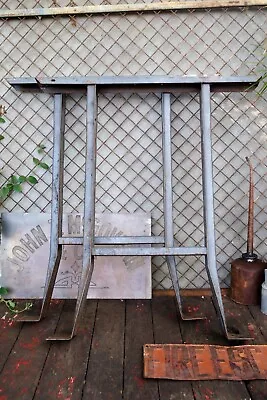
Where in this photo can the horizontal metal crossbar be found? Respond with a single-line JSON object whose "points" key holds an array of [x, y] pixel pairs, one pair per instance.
{"points": [[135, 83], [113, 240], [149, 251]]}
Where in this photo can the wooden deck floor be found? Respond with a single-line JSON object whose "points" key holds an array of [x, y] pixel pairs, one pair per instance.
{"points": [[104, 361]]}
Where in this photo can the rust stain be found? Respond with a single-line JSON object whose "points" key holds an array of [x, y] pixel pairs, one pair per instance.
{"points": [[191, 309], [65, 388], [22, 363], [205, 362], [35, 341], [251, 329]]}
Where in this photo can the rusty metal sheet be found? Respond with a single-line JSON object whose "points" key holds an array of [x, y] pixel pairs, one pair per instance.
{"points": [[25, 252], [205, 362]]}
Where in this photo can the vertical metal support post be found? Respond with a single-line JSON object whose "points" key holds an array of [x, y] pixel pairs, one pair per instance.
{"points": [[56, 207], [207, 176], [89, 212], [168, 198]]}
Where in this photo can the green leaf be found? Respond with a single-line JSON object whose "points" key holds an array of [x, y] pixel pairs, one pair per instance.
{"points": [[4, 192], [13, 179], [36, 161], [44, 165], [32, 180], [11, 304], [22, 179], [41, 148], [18, 188], [3, 291], [2, 137], [2, 120]]}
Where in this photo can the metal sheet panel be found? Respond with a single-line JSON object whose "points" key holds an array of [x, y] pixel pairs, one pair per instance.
{"points": [[25, 252], [205, 362]]}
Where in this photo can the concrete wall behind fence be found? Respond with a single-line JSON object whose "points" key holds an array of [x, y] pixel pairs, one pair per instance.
{"points": [[129, 174]]}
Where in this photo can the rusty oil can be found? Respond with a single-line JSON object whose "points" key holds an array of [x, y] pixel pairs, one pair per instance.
{"points": [[247, 277], [247, 273]]}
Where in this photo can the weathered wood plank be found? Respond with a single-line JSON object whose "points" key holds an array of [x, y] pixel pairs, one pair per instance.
{"points": [[123, 8], [167, 330], [260, 320], [139, 330], [23, 368], [65, 368], [104, 380], [242, 316], [209, 332], [9, 331]]}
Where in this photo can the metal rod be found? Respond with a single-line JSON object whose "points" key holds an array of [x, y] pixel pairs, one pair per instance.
{"points": [[167, 170], [206, 147], [250, 209], [123, 8], [57, 198], [56, 206], [89, 211], [131, 80], [149, 251], [113, 240], [169, 250]]}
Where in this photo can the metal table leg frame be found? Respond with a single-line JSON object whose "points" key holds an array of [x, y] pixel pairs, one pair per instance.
{"points": [[56, 208], [210, 244], [89, 213], [168, 200]]}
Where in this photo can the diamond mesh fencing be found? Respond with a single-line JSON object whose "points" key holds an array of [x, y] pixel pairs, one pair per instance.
{"points": [[129, 163]]}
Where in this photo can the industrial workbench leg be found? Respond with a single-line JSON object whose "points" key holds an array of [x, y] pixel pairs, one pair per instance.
{"points": [[210, 258], [168, 199], [89, 213], [56, 207]]}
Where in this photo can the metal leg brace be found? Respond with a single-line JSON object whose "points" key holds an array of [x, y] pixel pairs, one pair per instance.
{"points": [[56, 208], [168, 199], [205, 117]]}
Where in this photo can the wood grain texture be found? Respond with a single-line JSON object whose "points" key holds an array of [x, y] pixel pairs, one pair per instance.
{"points": [[23, 368], [167, 330], [208, 331], [249, 319], [104, 380], [139, 330], [9, 331], [65, 367], [137, 7]]}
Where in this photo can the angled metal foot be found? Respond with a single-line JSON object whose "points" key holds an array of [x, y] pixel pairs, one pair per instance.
{"points": [[186, 316]]}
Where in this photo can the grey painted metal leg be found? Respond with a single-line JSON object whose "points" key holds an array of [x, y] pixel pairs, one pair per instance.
{"points": [[56, 208], [211, 268], [89, 213], [168, 199]]}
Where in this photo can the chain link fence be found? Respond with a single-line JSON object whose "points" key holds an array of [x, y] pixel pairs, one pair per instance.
{"points": [[129, 164]]}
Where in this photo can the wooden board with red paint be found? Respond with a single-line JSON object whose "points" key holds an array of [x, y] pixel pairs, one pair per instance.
{"points": [[205, 362], [208, 331], [65, 368], [104, 380], [167, 330], [138, 330], [23, 368], [9, 331]]}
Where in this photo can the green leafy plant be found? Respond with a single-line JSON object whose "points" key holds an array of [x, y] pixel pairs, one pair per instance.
{"points": [[14, 184], [38, 162], [11, 304]]}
